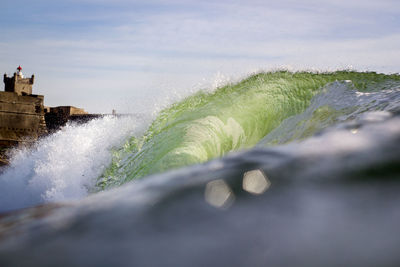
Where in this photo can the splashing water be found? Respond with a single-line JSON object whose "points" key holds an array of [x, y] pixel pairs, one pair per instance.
{"points": [[64, 165]]}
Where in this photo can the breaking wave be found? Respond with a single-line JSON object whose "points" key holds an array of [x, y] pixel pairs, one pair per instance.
{"points": [[266, 109]]}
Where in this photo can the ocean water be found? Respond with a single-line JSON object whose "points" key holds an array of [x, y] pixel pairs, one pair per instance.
{"points": [[284, 168]]}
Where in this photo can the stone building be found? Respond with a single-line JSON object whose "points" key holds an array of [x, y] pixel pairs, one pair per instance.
{"points": [[18, 84]]}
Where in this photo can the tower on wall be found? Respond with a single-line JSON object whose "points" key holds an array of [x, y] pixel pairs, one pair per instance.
{"points": [[18, 84]]}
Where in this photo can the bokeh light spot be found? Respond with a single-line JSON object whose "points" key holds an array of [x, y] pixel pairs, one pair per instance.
{"points": [[255, 182], [219, 194], [354, 131]]}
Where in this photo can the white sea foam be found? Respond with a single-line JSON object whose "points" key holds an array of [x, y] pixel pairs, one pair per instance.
{"points": [[64, 165]]}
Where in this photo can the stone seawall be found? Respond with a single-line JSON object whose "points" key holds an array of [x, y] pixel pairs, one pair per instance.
{"points": [[24, 118], [21, 119], [20, 116]]}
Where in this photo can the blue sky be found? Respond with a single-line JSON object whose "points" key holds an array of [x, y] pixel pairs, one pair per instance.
{"points": [[128, 55]]}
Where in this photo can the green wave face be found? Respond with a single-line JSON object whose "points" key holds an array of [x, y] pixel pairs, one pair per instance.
{"points": [[208, 125]]}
